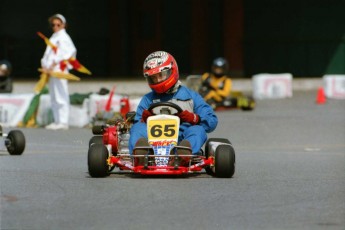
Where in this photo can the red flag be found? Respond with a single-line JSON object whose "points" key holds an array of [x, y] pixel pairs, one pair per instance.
{"points": [[111, 94], [77, 66]]}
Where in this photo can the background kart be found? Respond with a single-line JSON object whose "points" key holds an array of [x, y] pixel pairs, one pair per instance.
{"points": [[6, 82], [236, 100], [14, 141], [108, 148]]}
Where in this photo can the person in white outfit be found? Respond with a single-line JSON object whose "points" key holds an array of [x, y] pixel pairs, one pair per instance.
{"points": [[53, 57]]}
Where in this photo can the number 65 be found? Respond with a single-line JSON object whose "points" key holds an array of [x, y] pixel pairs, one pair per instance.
{"points": [[158, 131]]}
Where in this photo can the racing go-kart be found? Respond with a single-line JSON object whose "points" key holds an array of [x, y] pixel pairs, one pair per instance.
{"points": [[236, 100], [14, 141], [108, 148]]}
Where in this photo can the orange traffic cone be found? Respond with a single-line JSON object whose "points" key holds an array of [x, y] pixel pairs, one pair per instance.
{"points": [[320, 97]]}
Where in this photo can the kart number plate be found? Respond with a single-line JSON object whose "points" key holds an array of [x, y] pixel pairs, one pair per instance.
{"points": [[162, 129]]}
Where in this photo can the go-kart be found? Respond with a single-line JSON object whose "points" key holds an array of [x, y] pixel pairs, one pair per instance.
{"points": [[108, 148], [236, 100], [14, 141]]}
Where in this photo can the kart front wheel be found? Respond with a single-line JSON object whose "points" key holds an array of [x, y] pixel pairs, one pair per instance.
{"points": [[208, 169], [224, 165], [222, 140], [15, 142], [97, 160]]}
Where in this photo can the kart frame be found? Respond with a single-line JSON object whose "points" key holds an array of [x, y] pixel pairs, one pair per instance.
{"points": [[105, 153], [159, 170]]}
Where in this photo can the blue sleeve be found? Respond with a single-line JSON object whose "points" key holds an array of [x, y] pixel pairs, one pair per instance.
{"points": [[208, 118]]}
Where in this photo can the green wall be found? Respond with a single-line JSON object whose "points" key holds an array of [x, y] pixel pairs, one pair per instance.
{"points": [[87, 25], [305, 38]]}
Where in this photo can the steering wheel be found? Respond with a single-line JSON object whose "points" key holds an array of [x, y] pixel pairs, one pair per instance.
{"points": [[166, 108]]}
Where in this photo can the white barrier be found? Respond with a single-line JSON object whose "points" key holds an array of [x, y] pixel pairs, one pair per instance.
{"points": [[272, 86], [78, 115], [334, 86], [44, 114], [133, 103], [98, 103], [13, 108]]}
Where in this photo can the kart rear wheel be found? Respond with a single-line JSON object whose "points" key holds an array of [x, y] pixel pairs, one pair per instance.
{"points": [[15, 142], [224, 165], [97, 160], [96, 140], [248, 105], [222, 140], [97, 129]]}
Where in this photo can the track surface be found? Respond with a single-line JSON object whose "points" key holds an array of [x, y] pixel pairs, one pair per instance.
{"points": [[290, 175]]}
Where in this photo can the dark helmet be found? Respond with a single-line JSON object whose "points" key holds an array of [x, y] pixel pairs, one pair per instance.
{"points": [[220, 66], [5, 68]]}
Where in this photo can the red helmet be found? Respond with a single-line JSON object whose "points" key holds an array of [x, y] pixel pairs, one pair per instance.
{"points": [[163, 64]]}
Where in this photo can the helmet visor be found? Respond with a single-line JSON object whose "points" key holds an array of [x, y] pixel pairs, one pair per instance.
{"points": [[158, 77], [218, 70]]}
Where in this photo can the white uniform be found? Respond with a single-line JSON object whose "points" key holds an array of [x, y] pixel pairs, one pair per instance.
{"points": [[58, 88]]}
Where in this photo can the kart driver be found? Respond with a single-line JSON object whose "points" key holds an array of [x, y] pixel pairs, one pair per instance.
{"points": [[216, 86], [197, 118]]}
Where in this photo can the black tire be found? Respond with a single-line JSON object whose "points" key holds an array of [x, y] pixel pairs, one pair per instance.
{"points": [[222, 140], [250, 105], [15, 142], [96, 140], [97, 129], [224, 165], [97, 160]]}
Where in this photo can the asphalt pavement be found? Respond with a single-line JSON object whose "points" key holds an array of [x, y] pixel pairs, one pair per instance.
{"points": [[290, 174]]}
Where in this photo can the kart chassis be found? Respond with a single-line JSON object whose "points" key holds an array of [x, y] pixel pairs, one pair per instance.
{"points": [[109, 149]]}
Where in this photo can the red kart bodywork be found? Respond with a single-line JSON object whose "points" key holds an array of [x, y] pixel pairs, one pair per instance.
{"points": [[127, 161], [161, 170]]}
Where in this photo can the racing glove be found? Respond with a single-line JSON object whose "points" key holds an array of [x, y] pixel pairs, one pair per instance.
{"points": [[189, 117], [145, 115]]}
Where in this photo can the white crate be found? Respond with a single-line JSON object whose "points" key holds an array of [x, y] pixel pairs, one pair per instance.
{"points": [[78, 114], [99, 102], [13, 108], [272, 86], [334, 86]]}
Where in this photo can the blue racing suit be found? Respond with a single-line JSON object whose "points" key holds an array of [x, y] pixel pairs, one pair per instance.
{"points": [[188, 100]]}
